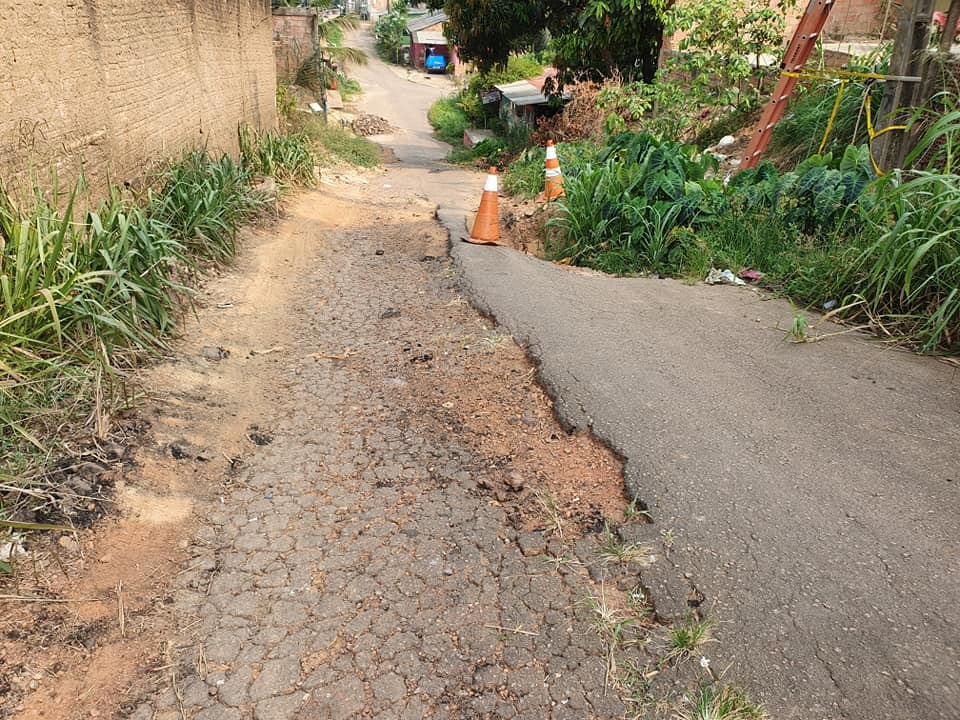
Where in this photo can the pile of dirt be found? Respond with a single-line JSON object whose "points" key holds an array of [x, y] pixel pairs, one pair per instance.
{"points": [[522, 224], [366, 125]]}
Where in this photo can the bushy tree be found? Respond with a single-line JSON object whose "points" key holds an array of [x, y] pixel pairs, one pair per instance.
{"points": [[590, 38], [488, 31], [390, 30], [597, 39]]}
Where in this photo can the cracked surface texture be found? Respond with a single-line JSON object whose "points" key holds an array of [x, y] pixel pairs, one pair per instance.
{"points": [[355, 569]]}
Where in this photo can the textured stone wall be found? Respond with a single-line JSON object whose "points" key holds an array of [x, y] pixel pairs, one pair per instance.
{"points": [[851, 19], [294, 39], [116, 86]]}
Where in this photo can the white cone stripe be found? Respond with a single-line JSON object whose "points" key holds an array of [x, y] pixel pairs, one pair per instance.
{"points": [[551, 153], [554, 172], [492, 184]]}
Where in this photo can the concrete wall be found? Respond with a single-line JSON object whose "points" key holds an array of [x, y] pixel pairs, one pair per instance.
{"points": [[119, 85], [851, 19], [294, 39]]}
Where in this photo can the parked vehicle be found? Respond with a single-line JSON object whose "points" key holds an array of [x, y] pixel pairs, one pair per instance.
{"points": [[435, 63]]}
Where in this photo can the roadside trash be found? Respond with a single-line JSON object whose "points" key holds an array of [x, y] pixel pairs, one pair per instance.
{"points": [[726, 141], [722, 277], [829, 305], [215, 353], [750, 275], [389, 313], [378, 252], [12, 549]]}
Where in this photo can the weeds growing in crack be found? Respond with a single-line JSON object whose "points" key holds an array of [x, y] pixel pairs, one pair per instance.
{"points": [[638, 603], [552, 512], [634, 681], [718, 701], [615, 627], [495, 341], [560, 561], [614, 550], [685, 639], [667, 538], [611, 623], [633, 510]]}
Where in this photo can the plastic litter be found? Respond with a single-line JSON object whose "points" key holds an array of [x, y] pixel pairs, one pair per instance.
{"points": [[12, 549], [750, 275], [722, 277], [829, 305]]}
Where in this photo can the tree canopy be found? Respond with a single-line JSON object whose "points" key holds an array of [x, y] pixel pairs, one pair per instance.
{"points": [[591, 39]]}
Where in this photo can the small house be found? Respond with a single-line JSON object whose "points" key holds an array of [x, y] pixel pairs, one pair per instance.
{"points": [[524, 102], [427, 38]]}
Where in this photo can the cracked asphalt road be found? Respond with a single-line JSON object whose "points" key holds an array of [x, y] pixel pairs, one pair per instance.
{"points": [[356, 567]]}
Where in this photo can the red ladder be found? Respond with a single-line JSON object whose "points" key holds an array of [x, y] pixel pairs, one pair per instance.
{"points": [[798, 52]]}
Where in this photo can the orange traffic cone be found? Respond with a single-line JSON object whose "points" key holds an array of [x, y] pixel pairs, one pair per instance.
{"points": [[486, 228], [553, 184]]}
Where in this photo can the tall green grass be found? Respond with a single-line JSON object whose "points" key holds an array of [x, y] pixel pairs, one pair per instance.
{"points": [[289, 158], [801, 131], [448, 119], [336, 144], [887, 249]]}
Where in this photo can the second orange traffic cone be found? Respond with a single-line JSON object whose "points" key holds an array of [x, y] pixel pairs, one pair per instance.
{"points": [[553, 182], [486, 228]]}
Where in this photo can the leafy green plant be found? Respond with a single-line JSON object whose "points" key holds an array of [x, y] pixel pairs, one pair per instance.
{"points": [[286, 102], [715, 68], [798, 331], [815, 197], [389, 31], [626, 213]]}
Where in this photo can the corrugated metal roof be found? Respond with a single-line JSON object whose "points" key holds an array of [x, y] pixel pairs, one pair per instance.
{"points": [[429, 37], [522, 92], [426, 21], [529, 91]]}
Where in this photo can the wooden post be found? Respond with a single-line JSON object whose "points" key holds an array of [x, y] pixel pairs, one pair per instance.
{"points": [[913, 37]]}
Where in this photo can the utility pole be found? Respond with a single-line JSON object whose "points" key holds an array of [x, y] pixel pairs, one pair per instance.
{"points": [[909, 49]]}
